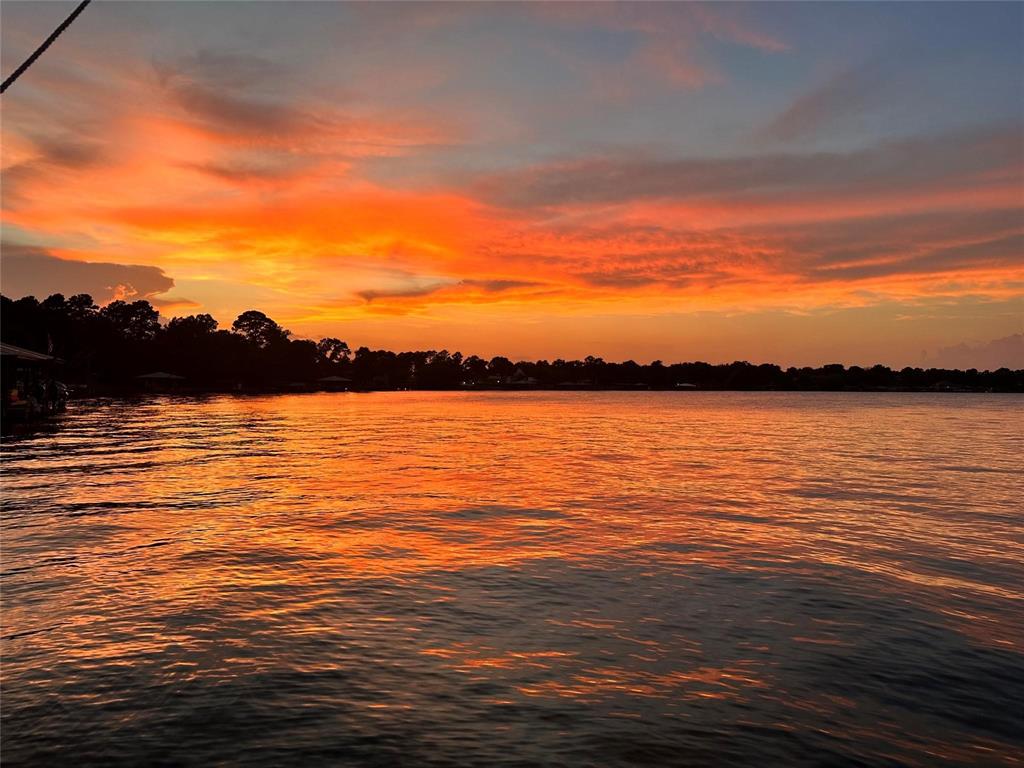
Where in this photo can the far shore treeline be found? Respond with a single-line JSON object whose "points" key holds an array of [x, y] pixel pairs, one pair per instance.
{"points": [[105, 351]]}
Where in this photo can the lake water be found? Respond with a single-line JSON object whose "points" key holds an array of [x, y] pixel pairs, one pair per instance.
{"points": [[517, 579]]}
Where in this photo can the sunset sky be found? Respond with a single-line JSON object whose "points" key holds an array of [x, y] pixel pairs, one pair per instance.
{"points": [[795, 183]]}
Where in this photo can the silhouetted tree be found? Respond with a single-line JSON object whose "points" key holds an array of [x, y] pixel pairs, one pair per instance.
{"points": [[81, 305], [137, 321], [106, 348], [333, 350], [501, 366], [259, 329], [193, 326], [474, 368]]}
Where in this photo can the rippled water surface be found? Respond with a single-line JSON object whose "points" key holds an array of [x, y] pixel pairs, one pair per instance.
{"points": [[517, 578]]}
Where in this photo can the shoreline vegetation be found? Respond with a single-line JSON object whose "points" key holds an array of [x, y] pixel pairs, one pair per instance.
{"points": [[123, 348]]}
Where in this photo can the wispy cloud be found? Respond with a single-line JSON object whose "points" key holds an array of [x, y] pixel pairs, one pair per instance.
{"points": [[841, 97], [671, 39], [1004, 352], [897, 164]]}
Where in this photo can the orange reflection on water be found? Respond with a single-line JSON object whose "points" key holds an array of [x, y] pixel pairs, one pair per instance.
{"points": [[705, 682], [644, 555]]}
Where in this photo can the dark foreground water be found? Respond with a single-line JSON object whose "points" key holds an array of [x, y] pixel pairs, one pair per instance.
{"points": [[516, 579]]}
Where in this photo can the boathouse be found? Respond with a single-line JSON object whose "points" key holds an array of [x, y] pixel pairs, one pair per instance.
{"points": [[28, 387], [160, 381], [334, 383]]}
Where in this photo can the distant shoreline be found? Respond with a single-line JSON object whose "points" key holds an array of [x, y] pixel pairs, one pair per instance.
{"points": [[69, 346], [256, 392]]}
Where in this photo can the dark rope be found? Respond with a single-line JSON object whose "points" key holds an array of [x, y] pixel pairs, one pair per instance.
{"points": [[46, 44]]}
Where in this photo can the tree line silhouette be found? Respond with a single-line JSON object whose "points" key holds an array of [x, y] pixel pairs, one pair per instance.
{"points": [[104, 350]]}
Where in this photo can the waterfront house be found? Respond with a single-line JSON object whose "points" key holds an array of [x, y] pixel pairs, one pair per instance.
{"points": [[520, 380]]}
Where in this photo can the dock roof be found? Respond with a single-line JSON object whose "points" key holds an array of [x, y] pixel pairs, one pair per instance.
{"points": [[10, 350]]}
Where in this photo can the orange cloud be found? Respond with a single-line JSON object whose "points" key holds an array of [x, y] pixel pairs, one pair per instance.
{"points": [[227, 177]]}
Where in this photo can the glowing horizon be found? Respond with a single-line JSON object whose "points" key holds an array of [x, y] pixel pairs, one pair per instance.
{"points": [[799, 184]]}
